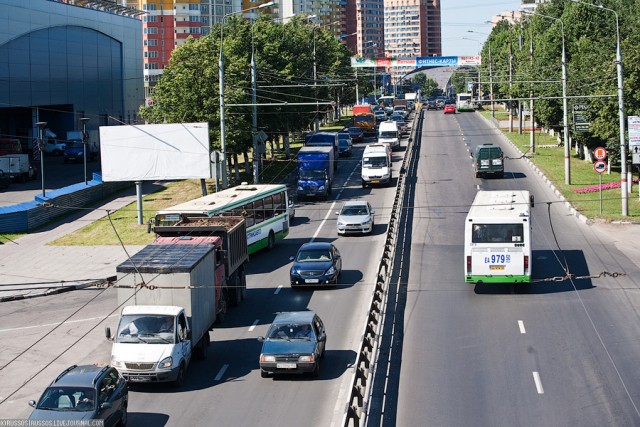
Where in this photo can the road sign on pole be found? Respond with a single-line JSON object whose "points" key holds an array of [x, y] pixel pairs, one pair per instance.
{"points": [[600, 166], [600, 153], [633, 123]]}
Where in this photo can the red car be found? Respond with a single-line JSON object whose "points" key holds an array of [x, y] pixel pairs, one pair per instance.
{"points": [[449, 109]]}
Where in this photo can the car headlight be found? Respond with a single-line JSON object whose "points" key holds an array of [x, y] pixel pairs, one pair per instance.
{"points": [[294, 272], [308, 358], [321, 187], [116, 363], [367, 222], [384, 176], [166, 363], [300, 188], [331, 270], [265, 358], [340, 223]]}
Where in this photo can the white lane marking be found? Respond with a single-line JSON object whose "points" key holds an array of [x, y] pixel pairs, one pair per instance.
{"points": [[521, 326], [536, 379], [326, 217], [253, 325], [55, 324], [221, 372], [278, 289], [478, 186]]}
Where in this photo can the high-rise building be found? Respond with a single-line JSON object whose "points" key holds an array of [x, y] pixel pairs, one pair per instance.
{"points": [[411, 28], [327, 13], [365, 18]]}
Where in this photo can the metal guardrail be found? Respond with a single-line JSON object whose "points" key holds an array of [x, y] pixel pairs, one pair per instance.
{"points": [[360, 390]]}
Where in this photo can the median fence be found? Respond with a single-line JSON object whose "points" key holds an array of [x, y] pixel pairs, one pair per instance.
{"points": [[29, 216], [361, 385]]}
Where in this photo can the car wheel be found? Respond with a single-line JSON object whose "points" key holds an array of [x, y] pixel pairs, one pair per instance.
{"points": [[123, 417], [264, 374], [271, 240], [179, 381], [364, 185]]}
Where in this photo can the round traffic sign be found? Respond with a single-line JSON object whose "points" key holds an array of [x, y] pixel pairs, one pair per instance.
{"points": [[600, 166], [600, 153]]}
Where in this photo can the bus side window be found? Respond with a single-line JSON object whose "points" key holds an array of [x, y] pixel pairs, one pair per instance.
{"points": [[268, 207], [278, 203], [259, 211], [249, 214]]}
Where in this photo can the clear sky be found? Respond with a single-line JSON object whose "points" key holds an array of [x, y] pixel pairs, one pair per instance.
{"points": [[459, 16]]}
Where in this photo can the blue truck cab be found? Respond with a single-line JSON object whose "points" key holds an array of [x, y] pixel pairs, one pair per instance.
{"points": [[315, 172]]}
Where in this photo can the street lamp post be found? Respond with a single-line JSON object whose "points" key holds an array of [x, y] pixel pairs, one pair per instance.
{"points": [[623, 147], [493, 112], [41, 126], [84, 121], [223, 139]]}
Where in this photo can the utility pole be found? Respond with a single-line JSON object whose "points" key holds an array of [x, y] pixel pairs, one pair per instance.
{"points": [[532, 135], [510, 84], [254, 118], [315, 80]]}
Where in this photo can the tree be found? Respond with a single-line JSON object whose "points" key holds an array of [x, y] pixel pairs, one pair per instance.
{"points": [[427, 85]]}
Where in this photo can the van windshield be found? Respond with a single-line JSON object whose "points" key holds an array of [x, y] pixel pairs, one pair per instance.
{"points": [[312, 174], [147, 329], [321, 140], [388, 134], [375, 162]]}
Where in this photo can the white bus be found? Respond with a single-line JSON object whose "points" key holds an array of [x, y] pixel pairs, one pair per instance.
{"points": [[463, 100], [265, 207], [497, 238]]}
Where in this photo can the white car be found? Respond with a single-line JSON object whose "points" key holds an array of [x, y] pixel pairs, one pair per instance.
{"points": [[355, 217]]}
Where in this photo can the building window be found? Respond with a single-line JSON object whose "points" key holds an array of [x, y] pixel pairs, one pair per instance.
{"points": [[151, 30]]}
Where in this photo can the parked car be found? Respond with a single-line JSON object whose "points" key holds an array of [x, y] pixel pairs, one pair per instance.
{"points": [[294, 343], [356, 134], [345, 144], [54, 147], [82, 393], [449, 109], [355, 217], [316, 263]]}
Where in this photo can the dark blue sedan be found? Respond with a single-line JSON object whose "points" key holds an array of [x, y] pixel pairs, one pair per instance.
{"points": [[317, 263], [357, 135]]}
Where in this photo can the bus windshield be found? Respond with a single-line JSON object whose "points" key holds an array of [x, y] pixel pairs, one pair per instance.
{"points": [[497, 233]]}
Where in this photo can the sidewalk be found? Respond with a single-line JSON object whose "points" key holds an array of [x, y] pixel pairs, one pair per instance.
{"points": [[29, 264]]}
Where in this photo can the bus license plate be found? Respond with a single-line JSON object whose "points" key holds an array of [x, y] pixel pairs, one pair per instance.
{"points": [[286, 366], [496, 267], [311, 280]]}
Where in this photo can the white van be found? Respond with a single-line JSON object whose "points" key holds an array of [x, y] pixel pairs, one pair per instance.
{"points": [[389, 132], [376, 166]]}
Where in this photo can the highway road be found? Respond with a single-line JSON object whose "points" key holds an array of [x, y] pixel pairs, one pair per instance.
{"points": [[226, 388], [543, 354]]}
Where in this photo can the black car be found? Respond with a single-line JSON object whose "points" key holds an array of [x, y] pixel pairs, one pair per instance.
{"points": [[345, 144], [317, 263], [294, 344], [5, 179], [88, 392], [431, 105]]}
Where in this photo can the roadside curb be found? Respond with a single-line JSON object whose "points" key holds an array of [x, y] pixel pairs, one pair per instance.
{"points": [[550, 184]]}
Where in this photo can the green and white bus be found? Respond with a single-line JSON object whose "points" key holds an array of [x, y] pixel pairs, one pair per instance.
{"points": [[497, 238], [265, 207]]}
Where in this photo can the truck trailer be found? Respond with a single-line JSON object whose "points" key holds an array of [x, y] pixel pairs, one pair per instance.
{"points": [[172, 292]]}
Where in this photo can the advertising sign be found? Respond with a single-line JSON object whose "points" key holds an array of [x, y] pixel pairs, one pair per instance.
{"points": [[580, 122], [423, 61], [634, 130], [437, 61], [469, 60]]}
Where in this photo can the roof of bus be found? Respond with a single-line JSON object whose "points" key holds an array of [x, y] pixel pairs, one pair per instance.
{"points": [[226, 199], [495, 204]]}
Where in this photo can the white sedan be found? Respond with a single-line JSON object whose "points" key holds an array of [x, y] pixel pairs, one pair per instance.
{"points": [[355, 217]]}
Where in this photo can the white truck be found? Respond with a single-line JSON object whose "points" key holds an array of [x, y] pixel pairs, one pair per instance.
{"points": [[376, 165], [173, 291], [17, 166]]}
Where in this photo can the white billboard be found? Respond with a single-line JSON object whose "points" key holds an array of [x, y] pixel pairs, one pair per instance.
{"points": [[155, 152]]}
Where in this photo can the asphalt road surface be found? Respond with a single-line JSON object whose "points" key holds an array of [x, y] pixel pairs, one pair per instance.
{"points": [[543, 354], [226, 388]]}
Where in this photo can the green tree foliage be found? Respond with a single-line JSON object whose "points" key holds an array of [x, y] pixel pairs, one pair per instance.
{"points": [[427, 84], [188, 89], [590, 36]]}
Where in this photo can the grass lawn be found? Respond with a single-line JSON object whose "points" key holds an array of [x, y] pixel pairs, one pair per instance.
{"points": [[551, 162]]}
